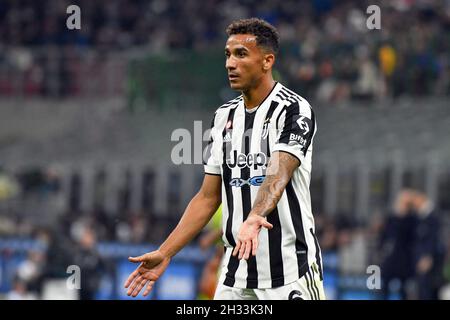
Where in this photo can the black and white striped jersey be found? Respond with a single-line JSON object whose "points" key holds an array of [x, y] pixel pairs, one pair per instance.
{"points": [[239, 150]]}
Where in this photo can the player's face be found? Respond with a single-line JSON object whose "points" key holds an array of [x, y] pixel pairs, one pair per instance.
{"points": [[244, 61]]}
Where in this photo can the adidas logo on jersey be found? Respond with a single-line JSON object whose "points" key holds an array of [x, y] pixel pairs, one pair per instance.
{"points": [[227, 137]]}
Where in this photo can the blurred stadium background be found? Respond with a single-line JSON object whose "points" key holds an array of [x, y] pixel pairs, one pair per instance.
{"points": [[86, 118]]}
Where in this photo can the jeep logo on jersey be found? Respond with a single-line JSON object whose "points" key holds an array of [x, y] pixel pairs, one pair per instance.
{"points": [[252, 159]]}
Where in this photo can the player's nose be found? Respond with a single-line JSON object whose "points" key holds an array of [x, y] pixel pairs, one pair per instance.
{"points": [[230, 64]]}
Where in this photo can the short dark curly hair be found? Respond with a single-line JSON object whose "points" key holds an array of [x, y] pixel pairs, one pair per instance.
{"points": [[266, 34]]}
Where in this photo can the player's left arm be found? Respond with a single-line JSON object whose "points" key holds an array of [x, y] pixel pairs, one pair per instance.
{"points": [[279, 172]]}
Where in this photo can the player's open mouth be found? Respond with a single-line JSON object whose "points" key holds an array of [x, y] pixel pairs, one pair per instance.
{"points": [[232, 77]]}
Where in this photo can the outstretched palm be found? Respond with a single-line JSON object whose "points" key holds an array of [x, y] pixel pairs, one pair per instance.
{"points": [[153, 265]]}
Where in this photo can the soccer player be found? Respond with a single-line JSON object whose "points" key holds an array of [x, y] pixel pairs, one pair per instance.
{"points": [[258, 164]]}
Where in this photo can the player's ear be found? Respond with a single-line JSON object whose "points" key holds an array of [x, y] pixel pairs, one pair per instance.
{"points": [[269, 60]]}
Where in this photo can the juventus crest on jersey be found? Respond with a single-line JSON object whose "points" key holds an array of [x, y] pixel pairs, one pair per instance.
{"points": [[239, 150]]}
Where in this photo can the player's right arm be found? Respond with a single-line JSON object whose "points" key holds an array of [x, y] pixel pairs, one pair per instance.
{"points": [[197, 214]]}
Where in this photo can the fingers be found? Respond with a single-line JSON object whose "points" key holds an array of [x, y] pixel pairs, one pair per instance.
{"points": [[236, 248], [136, 259], [266, 224], [149, 288], [138, 289], [145, 274], [130, 279], [254, 246], [242, 250], [248, 249], [135, 283]]}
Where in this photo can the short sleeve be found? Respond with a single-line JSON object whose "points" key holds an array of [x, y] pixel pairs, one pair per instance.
{"points": [[210, 155], [297, 128]]}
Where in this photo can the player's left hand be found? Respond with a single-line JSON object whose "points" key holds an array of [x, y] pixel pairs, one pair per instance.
{"points": [[247, 241]]}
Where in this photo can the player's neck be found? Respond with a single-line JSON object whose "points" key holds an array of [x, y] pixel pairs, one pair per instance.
{"points": [[255, 96]]}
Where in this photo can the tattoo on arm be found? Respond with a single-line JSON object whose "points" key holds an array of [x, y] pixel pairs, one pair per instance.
{"points": [[279, 172]]}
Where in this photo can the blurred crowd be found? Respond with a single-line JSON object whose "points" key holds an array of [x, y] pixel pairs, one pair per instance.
{"points": [[328, 53], [34, 207], [42, 190], [407, 242]]}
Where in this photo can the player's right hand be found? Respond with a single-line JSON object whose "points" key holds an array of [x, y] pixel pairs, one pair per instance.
{"points": [[153, 265]]}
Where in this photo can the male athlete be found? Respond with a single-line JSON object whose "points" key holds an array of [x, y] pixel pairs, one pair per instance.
{"points": [[258, 164]]}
